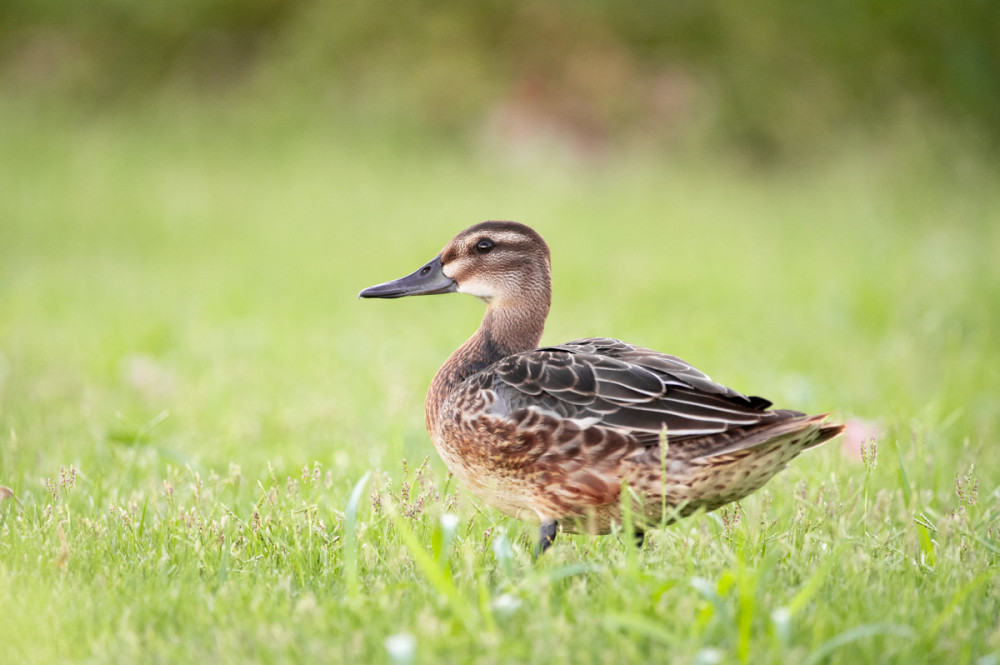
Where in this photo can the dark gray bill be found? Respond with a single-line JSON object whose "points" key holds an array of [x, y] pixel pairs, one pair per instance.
{"points": [[427, 281]]}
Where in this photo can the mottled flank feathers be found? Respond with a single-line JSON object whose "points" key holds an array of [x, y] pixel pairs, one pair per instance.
{"points": [[552, 434]]}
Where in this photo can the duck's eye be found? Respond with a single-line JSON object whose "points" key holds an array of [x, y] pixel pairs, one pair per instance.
{"points": [[484, 245]]}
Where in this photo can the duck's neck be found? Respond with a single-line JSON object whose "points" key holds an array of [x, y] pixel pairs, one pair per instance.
{"points": [[504, 331]]}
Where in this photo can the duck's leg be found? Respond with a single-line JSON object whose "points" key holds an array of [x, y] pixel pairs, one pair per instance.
{"points": [[640, 538], [546, 535]]}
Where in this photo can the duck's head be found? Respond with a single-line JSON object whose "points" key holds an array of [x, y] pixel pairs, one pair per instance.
{"points": [[504, 263]]}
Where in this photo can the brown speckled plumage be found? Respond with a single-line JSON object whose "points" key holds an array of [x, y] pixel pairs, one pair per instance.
{"points": [[552, 434]]}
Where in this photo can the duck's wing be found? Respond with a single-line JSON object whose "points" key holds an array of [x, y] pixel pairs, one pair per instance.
{"points": [[609, 384], [674, 370]]}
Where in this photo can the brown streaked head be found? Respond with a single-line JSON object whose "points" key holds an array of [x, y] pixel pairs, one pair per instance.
{"points": [[504, 263]]}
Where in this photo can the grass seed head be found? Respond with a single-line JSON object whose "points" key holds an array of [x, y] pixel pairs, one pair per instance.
{"points": [[869, 454], [967, 487]]}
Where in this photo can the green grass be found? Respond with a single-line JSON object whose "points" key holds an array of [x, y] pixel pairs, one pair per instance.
{"points": [[206, 431]]}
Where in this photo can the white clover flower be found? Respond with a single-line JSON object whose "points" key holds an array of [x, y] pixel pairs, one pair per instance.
{"points": [[506, 604], [401, 647], [449, 521]]}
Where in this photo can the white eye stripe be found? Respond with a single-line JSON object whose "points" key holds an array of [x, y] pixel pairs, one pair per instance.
{"points": [[515, 239], [508, 238]]}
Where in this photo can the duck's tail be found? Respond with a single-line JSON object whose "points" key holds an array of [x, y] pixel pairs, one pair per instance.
{"points": [[826, 432], [805, 431]]}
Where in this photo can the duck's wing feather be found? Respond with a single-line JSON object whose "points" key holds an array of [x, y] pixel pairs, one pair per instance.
{"points": [[681, 373], [610, 384]]}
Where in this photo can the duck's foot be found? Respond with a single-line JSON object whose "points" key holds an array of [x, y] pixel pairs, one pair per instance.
{"points": [[546, 535], [640, 538]]}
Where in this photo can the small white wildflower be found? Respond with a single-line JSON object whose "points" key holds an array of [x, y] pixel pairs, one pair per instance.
{"points": [[449, 522], [401, 647], [708, 656], [781, 618], [501, 547], [506, 604]]}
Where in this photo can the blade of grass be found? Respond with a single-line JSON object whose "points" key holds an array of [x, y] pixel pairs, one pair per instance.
{"points": [[855, 634], [436, 575], [351, 536]]}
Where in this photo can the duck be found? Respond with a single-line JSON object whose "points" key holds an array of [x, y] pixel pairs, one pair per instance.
{"points": [[592, 435]]}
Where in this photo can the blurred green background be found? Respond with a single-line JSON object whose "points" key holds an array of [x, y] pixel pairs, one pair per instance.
{"points": [[770, 81]]}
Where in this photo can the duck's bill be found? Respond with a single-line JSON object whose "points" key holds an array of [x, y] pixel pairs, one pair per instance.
{"points": [[428, 280]]}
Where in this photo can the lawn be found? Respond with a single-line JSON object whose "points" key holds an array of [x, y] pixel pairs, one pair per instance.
{"points": [[217, 452]]}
